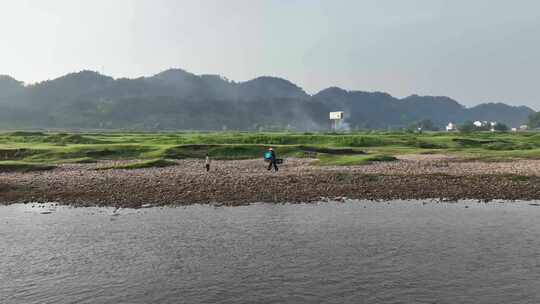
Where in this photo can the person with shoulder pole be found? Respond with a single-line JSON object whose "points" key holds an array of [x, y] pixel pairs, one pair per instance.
{"points": [[270, 156]]}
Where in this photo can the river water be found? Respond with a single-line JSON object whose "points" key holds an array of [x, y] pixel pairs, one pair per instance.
{"points": [[354, 252]]}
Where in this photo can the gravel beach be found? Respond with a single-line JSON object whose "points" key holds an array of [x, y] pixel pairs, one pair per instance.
{"points": [[298, 180]]}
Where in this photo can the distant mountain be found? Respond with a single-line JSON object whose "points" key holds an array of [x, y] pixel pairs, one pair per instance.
{"points": [[511, 115], [177, 99], [10, 89], [270, 87], [382, 111]]}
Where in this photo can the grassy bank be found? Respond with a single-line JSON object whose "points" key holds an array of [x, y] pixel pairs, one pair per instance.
{"points": [[35, 150], [17, 166]]}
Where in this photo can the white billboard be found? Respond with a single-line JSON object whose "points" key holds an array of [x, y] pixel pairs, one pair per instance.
{"points": [[336, 115]]}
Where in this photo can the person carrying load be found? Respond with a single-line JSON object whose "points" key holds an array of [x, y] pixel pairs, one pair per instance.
{"points": [[270, 156]]}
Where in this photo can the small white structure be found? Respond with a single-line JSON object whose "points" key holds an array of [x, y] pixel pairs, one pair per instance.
{"points": [[492, 126], [514, 129], [451, 127], [336, 118], [336, 115], [523, 127], [485, 124]]}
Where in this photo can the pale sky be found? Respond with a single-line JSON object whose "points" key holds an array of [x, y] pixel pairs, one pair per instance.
{"points": [[472, 50]]}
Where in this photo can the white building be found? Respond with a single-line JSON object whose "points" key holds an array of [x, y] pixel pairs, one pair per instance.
{"points": [[451, 127], [479, 124], [492, 126], [484, 124]]}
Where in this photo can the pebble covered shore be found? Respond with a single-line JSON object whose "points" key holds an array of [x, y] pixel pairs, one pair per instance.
{"points": [[298, 180]]}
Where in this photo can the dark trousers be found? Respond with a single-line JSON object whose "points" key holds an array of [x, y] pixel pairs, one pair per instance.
{"points": [[272, 163]]}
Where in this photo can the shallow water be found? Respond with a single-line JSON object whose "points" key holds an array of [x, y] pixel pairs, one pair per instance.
{"points": [[355, 252]]}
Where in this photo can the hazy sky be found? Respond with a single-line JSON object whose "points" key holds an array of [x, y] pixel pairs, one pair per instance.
{"points": [[472, 50]]}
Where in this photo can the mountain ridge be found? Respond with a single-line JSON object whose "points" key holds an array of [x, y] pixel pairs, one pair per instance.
{"points": [[183, 100]]}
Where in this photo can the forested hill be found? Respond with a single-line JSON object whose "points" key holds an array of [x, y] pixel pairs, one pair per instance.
{"points": [[176, 99]]}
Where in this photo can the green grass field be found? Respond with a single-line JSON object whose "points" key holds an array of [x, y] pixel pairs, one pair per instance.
{"points": [[26, 151]]}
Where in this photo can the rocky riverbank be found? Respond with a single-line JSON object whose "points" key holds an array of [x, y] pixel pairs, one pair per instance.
{"points": [[247, 181]]}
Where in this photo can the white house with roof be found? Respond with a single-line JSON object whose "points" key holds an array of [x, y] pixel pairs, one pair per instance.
{"points": [[485, 124]]}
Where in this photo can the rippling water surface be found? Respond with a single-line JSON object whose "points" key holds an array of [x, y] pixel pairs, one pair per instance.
{"points": [[355, 252]]}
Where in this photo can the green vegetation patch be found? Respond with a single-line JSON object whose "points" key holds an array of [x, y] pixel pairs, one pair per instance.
{"points": [[424, 144], [82, 160], [26, 134], [469, 142], [215, 151], [64, 139], [251, 151], [353, 148], [54, 138], [92, 152], [12, 166], [507, 146], [353, 160], [16, 154], [333, 151]]}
